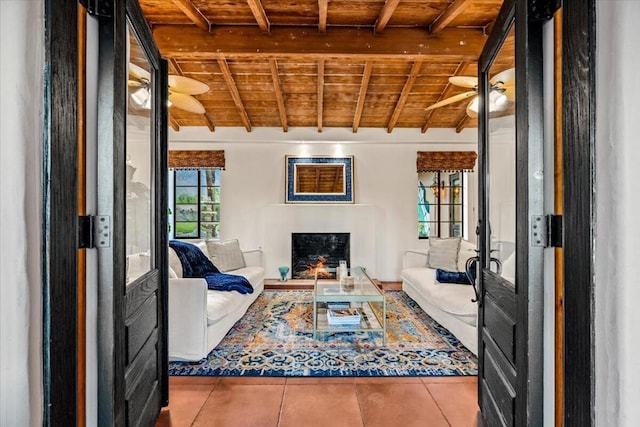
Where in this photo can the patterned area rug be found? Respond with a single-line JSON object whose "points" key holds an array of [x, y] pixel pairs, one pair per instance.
{"points": [[275, 338]]}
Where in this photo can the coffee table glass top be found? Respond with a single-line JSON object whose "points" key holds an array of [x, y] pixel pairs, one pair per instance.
{"points": [[330, 289]]}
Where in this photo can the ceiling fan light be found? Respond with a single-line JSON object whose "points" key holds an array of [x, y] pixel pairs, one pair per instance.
{"points": [[501, 101], [475, 104], [141, 97]]}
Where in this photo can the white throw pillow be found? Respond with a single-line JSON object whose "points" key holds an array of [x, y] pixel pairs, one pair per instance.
{"points": [[443, 253], [226, 254], [467, 250], [174, 262]]}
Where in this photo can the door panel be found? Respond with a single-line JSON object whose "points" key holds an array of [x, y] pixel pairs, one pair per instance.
{"points": [[132, 203], [511, 197]]}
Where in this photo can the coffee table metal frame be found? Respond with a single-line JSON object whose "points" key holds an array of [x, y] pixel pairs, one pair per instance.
{"points": [[364, 291]]}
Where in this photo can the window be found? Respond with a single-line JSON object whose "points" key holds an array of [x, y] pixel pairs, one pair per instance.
{"points": [[440, 204], [196, 207]]}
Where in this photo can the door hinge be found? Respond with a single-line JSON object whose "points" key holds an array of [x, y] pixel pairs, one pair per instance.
{"points": [[98, 8], [543, 10], [94, 232], [546, 231]]}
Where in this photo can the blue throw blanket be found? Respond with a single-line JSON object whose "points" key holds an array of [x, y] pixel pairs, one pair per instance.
{"points": [[196, 264], [444, 276]]}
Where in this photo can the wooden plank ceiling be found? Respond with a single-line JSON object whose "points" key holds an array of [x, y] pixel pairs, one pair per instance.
{"points": [[320, 63]]}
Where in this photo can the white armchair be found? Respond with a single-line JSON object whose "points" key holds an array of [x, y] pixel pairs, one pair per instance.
{"points": [[199, 318]]}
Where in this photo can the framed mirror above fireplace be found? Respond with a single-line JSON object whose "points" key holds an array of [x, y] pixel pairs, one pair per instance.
{"points": [[319, 179]]}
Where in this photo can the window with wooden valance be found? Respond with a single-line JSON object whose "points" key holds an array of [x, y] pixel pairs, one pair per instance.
{"points": [[441, 187], [446, 161], [196, 159]]}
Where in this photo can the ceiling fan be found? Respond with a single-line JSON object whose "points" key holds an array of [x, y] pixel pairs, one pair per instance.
{"points": [[181, 90], [501, 95]]}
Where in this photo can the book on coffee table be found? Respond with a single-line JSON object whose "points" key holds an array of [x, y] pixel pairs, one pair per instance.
{"points": [[343, 316]]}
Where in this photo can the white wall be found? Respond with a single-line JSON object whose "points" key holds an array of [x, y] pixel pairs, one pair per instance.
{"points": [[617, 291], [21, 71], [385, 177]]}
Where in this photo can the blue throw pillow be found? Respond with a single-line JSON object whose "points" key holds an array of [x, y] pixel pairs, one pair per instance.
{"points": [[459, 277]]}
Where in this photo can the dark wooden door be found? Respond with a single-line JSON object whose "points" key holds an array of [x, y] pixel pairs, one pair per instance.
{"points": [[511, 228], [132, 206]]}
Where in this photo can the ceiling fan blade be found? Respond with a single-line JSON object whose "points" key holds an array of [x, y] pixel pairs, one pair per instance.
{"points": [[139, 72], [186, 102], [187, 85], [135, 83], [464, 81], [506, 77], [451, 100]]}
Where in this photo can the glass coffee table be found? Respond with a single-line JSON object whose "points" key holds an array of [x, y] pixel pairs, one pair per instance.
{"points": [[354, 300]]}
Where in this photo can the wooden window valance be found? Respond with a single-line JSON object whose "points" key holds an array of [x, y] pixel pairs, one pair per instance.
{"points": [[446, 161], [196, 159]]}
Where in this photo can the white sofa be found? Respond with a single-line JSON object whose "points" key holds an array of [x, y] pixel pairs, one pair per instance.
{"points": [[200, 318], [448, 304]]}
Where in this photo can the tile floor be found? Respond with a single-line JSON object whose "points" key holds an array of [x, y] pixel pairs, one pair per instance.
{"points": [[309, 402]]}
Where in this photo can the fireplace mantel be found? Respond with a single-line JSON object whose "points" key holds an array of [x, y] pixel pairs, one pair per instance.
{"points": [[280, 220]]}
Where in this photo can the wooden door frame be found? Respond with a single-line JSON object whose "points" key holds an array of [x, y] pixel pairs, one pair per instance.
{"points": [[578, 162], [60, 215]]}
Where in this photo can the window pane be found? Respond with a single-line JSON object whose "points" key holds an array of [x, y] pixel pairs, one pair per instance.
{"points": [[209, 194], [186, 212], [186, 229], [210, 177], [186, 177], [139, 152], [186, 195]]}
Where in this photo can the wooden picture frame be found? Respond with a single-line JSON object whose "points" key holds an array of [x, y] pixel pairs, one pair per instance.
{"points": [[319, 179]]}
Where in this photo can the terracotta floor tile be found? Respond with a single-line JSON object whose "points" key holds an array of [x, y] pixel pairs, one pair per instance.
{"points": [[388, 380], [178, 380], [242, 405], [253, 380], [320, 405], [448, 380], [458, 402], [403, 405], [185, 401], [320, 380]]}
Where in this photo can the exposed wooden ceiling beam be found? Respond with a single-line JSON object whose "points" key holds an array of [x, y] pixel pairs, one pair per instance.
{"points": [[278, 90], [322, 15], [209, 121], [445, 94], [260, 15], [406, 90], [385, 14], [226, 73], [241, 42], [193, 13], [173, 65], [320, 93], [364, 86], [462, 123], [174, 123], [449, 15]]}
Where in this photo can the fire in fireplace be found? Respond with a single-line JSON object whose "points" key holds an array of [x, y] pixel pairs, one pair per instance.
{"points": [[310, 251]]}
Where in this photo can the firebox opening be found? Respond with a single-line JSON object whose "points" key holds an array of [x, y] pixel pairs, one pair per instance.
{"points": [[310, 251]]}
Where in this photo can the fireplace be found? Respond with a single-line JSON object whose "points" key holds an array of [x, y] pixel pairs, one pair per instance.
{"points": [[317, 250]]}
